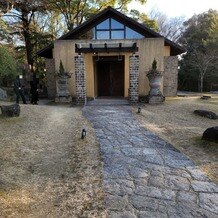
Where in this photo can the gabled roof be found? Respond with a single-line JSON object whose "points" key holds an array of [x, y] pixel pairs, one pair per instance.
{"points": [[109, 12]]}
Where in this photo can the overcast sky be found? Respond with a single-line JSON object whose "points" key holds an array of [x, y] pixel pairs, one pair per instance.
{"points": [[175, 8]]}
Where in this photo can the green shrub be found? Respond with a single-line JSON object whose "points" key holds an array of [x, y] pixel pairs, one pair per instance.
{"points": [[8, 67]]}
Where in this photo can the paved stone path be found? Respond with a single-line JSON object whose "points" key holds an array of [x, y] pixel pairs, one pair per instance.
{"points": [[143, 175]]}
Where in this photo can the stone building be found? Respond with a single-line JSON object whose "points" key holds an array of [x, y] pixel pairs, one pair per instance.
{"points": [[109, 56]]}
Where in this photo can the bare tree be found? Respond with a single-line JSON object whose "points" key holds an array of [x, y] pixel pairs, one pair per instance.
{"points": [[203, 60], [170, 28]]}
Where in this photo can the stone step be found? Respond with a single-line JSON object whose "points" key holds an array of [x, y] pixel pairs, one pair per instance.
{"points": [[107, 102]]}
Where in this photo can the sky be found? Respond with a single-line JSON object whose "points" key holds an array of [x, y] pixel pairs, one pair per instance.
{"points": [[175, 8]]}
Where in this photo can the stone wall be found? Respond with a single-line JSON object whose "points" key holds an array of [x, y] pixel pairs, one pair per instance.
{"points": [[133, 79], [80, 80], [170, 76], [51, 80]]}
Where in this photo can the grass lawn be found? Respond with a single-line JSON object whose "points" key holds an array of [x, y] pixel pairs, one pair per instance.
{"points": [[175, 122], [46, 170]]}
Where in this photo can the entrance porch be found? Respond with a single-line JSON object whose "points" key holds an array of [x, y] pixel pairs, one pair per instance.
{"points": [[113, 75]]}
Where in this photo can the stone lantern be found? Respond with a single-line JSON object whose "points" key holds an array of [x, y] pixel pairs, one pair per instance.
{"points": [[62, 78]]}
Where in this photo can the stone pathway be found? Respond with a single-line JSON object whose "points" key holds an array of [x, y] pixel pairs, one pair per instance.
{"points": [[143, 175]]}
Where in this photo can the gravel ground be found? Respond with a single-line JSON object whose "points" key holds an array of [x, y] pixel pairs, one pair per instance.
{"points": [[175, 122], [46, 170]]}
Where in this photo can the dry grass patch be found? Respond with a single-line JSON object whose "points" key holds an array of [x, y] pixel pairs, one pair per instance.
{"points": [[46, 170], [175, 122]]}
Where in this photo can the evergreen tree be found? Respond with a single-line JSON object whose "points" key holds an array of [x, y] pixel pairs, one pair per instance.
{"points": [[8, 66], [201, 60]]}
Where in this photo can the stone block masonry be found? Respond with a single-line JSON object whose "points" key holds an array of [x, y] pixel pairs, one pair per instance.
{"points": [[51, 80], [80, 80], [133, 79], [170, 76]]}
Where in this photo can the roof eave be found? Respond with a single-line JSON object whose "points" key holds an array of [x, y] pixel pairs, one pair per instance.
{"points": [[175, 48], [46, 52]]}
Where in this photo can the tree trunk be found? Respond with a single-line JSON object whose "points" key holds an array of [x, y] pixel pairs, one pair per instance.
{"points": [[201, 83], [202, 80], [27, 38]]}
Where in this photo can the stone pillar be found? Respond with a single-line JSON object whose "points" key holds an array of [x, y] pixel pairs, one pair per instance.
{"points": [[80, 80], [50, 76], [133, 79], [170, 81]]}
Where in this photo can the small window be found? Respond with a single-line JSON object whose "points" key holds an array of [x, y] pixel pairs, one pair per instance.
{"points": [[102, 35], [131, 34], [117, 34], [104, 25], [116, 25]]}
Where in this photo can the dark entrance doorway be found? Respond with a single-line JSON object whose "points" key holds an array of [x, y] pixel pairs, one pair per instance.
{"points": [[110, 76]]}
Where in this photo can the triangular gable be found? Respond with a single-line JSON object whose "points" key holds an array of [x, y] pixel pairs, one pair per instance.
{"points": [[109, 12]]}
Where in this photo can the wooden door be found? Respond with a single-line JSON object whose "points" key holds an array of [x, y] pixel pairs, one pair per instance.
{"points": [[117, 78], [110, 77]]}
